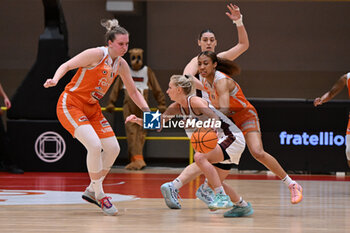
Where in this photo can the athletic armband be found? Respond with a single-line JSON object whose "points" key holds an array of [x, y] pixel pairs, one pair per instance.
{"points": [[238, 22]]}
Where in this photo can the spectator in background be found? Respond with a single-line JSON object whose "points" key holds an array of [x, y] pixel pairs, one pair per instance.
{"points": [[7, 162]]}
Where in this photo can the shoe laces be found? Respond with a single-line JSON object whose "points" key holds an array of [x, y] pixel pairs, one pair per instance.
{"points": [[206, 193], [218, 197], [294, 189], [175, 194], [105, 202]]}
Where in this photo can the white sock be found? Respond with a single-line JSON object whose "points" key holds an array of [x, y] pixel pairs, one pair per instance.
{"points": [[205, 184], [288, 181], [90, 188], [241, 202], [97, 186], [177, 183], [220, 190]]}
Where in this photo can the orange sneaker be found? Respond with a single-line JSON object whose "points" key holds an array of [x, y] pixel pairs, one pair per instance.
{"points": [[296, 193]]}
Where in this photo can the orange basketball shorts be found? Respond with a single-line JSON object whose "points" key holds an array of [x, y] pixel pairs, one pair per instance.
{"points": [[72, 113], [247, 120]]}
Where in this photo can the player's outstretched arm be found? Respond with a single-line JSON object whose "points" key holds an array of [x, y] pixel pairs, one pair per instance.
{"points": [[86, 58], [134, 94], [337, 87], [234, 14]]}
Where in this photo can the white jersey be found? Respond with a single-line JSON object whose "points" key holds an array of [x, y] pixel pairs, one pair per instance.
{"points": [[140, 78], [203, 94], [230, 137]]}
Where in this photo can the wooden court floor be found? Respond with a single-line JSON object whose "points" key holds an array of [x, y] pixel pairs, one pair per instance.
{"points": [[50, 202]]}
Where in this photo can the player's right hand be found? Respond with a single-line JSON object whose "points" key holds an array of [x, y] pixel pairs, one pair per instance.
{"points": [[50, 83], [134, 119], [317, 101]]}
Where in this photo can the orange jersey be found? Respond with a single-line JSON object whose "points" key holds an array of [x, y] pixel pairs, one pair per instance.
{"points": [[241, 111], [91, 84], [348, 82], [238, 101]]}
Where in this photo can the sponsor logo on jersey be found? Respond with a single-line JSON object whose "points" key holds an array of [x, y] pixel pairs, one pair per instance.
{"points": [[83, 118], [107, 130], [104, 122], [103, 82], [97, 95]]}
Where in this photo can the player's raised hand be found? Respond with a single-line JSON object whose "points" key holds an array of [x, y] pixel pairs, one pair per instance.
{"points": [[234, 12], [50, 83]]}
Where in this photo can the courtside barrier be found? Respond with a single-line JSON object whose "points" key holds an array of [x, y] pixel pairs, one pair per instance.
{"points": [[119, 109]]}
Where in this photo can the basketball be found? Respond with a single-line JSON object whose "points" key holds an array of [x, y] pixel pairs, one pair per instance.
{"points": [[204, 140]]}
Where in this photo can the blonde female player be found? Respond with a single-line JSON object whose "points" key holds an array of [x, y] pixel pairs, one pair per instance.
{"points": [[228, 150], [337, 87], [79, 111], [226, 95]]}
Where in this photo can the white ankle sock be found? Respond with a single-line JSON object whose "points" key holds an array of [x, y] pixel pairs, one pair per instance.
{"points": [[90, 188], [288, 181], [205, 184], [220, 190], [177, 183], [241, 202], [97, 186]]}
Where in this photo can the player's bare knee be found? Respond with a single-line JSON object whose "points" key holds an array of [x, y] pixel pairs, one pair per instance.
{"points": [[258, 153], [198, 158]]}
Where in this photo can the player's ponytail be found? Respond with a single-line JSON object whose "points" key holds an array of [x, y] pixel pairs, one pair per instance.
{"points": [[186, 82], [113, 29]]}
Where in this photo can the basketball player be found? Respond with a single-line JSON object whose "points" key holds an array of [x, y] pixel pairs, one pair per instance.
{"points": [[226, 95], [228, 150], [343, 81], [208, 42], [79, 111]]}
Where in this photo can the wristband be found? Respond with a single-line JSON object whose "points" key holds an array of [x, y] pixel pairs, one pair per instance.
{"points": [[238, 22]]}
